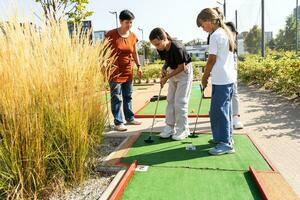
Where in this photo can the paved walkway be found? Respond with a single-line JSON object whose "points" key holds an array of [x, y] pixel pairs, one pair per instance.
{"points": [[273, 122]]}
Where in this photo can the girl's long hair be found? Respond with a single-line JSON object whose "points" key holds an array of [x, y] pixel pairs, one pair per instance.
{"points": [[216, 17]]}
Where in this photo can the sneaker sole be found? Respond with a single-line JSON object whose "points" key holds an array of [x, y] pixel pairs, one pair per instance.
{"points": [[165, 137], [130, 124], [227, 152], [123, 130], [238, 128], [179, 139]]}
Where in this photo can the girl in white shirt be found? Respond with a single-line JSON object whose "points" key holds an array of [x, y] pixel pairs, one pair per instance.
{"points": [[220, 65]]}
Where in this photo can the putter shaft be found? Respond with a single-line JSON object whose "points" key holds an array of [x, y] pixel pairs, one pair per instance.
{"points": [[154, 117]]}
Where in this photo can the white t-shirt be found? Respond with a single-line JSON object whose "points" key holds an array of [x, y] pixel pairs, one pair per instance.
{"points": [[223, 71]]}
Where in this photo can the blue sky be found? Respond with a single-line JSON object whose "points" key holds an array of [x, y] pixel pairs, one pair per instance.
{"points": [[176, 16]]}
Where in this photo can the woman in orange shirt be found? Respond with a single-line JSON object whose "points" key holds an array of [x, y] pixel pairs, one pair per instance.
{"points": [[123, 43]]}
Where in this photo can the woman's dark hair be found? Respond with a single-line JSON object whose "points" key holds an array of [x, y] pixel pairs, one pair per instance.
{"points": [[126, 15], [232, 27], [160, 34]]}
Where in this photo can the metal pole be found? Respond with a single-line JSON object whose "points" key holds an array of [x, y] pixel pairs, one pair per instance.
{"points": [[263, 51], [116, 14], [144, 44], [224, 8], [116, 19], [144, 52], [236, 26], [236, 19], [297, 37]]}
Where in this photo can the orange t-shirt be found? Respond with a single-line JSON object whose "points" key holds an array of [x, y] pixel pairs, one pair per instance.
{"points": [[124, 49]]}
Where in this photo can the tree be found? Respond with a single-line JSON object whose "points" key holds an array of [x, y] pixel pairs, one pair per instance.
{"points": [[195, 42], [286, 38], [74, 10], [144, 49], [252, 41], [150, 53], [271, 44]]}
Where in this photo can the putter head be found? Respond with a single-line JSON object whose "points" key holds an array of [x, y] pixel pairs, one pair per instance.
{"points": [[193, 135], [149, 140]]}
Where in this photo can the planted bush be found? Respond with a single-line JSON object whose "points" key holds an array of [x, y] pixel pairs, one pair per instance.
{"points": [[51, 110], [279, 71], [152, 72]]}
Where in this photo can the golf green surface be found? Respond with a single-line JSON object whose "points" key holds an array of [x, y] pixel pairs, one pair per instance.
{"points": [[175, 173], [181, 184], [193, 104]]}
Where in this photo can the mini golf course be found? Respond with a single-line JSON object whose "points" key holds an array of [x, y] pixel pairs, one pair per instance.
{"points": [[148, 109], [172, 172]]}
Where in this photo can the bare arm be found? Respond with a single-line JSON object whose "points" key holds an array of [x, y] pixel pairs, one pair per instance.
{"points": [[136, 57], [164, 79], [179, 69], [209, 65], [137, 62]]}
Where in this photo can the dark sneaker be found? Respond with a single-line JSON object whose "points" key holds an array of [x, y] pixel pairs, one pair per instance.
{"points": [[212, 141], [221, 149]]}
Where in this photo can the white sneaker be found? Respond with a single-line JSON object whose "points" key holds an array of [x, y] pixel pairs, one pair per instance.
{"points": [[120, 127], [167, 132], [181, 135], [237, 124]]}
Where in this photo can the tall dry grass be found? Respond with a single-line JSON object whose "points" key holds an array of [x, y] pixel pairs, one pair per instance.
{"points": [[51, 107]]}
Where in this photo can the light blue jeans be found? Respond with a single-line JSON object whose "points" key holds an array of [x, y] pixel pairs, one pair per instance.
{"points": [[221, 113]]}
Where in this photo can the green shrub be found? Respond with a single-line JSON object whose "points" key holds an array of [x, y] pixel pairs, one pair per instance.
{"points": [[279, 71], [152, 72]]}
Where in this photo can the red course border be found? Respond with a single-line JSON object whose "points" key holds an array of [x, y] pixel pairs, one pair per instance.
{"points": [[262, 153], [164, 116], [261, 188], [117, 193]]}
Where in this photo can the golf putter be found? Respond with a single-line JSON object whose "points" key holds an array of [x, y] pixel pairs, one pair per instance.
{"points": [[149, 139], [193, 135]]}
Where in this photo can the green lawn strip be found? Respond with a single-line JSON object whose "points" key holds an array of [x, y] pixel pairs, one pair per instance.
{"points": [[160, 183], [193, 104], [173, 154]]}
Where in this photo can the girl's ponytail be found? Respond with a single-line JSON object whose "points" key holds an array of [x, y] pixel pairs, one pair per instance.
{"points": [[215, 15], [232, 45], [220, 13]]}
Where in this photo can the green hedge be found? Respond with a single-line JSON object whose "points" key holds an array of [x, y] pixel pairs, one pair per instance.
{"points": [[279, 72], [152, 72]]}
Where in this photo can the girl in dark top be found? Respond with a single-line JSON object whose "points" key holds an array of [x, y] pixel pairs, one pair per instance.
{"points": [[178, 70]]}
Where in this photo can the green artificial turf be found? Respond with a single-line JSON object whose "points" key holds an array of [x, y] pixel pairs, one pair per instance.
{"points": [[175, 173], [193, 104], [165, 152], [179, 184]]}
